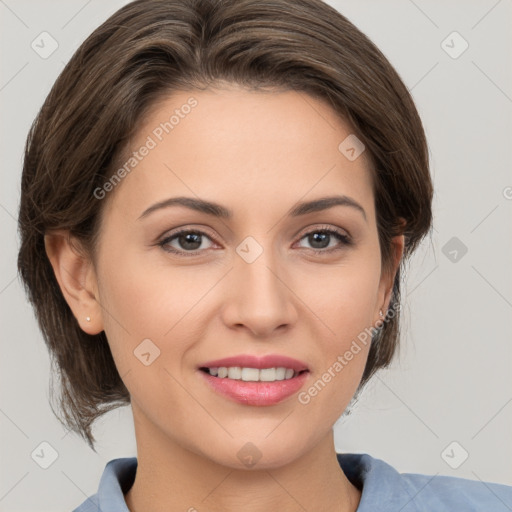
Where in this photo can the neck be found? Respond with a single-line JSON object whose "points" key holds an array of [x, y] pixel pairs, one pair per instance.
{"points": [[171, 478]]}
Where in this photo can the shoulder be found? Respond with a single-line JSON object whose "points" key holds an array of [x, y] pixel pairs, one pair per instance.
{"points": [[384, 487], [446, 492], [89, 505]]}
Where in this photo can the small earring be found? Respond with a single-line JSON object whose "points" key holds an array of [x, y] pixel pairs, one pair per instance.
{"points": [[88, 318], [380, 312]]}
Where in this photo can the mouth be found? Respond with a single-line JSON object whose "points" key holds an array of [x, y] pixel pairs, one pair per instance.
{"points": [[254, 380], [248, 374]]}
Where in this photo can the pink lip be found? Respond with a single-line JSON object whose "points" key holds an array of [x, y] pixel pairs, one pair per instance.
{"points": [[256, 393], [249, 361]]}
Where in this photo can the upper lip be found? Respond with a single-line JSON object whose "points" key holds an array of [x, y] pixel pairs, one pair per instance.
{"points": [[251, 361]]}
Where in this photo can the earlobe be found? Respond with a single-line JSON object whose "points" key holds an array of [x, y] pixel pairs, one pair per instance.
{"points": [[77, 280]]}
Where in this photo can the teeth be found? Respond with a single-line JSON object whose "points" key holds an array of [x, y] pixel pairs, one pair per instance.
{"points": [[235, 373], [280, 373], [252, 374], [268, 374]]}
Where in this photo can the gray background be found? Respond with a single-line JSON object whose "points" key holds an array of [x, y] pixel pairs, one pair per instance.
{"points": [[452, 379]]}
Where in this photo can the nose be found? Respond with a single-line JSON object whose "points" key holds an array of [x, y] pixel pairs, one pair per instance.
{"points": [[260, 299]]}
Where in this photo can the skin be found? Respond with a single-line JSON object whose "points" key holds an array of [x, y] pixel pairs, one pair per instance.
{"points": [[258, 154]]}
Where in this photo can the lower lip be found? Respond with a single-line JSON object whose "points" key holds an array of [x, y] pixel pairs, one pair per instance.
{"points": [[256, 393]]}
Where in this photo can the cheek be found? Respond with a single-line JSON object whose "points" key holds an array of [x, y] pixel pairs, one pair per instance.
{"points": [[148, 301], [345, 309], [145, 308], [345, 295], [344, 298]]}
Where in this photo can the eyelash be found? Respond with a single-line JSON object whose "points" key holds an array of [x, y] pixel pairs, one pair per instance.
{"points": [[344, 239]]}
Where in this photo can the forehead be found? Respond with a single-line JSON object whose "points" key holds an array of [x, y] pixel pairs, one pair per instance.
{"points": [[234, 145]]}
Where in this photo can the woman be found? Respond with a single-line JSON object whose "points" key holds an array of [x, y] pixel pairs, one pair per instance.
{"points": [[217, 200]]}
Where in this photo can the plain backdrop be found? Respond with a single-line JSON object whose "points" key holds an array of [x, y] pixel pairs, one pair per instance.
{"points": [[448, 395]]}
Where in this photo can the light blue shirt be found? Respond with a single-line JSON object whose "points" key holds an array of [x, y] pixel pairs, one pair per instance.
{"points": [[383, 489]]}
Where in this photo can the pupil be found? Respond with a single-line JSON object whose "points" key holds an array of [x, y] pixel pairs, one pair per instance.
{"points": [[190, 238], [318, 238]]}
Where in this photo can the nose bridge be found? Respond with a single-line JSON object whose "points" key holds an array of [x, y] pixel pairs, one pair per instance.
{"points": [[261, 301]]}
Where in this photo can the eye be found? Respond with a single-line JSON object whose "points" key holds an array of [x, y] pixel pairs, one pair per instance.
{"points": [[185, 241], [321, 238], [190, 242]]}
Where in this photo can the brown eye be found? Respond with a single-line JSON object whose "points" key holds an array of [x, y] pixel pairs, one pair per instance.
{"points": [[184, 241], [324, 240]]}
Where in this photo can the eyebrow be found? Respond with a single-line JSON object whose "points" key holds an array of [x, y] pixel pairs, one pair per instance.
{"points": [[217, 210]]}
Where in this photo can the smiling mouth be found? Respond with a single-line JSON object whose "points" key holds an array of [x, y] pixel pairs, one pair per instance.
{"points": [[248, 374]]}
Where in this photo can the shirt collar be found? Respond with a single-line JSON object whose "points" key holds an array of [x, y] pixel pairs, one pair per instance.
{"points": [[383, 488], [117, 478]]}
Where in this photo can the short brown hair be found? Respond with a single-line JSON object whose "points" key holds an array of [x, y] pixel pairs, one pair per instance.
{"points": [[140, 55]]}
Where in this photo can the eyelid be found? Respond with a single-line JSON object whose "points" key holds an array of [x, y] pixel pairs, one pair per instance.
{"points": [[186, 228], [322, 227]]}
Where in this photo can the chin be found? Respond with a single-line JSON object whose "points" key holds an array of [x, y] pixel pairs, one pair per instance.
{"points": [[256, 453]]}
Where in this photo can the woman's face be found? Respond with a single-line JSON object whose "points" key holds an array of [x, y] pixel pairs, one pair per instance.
{"points": [[261, 274]]}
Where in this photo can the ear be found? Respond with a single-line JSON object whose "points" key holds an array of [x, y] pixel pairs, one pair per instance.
{"points": [[388, 277], [77, 279]]}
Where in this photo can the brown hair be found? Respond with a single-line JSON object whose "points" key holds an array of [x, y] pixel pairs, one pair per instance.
{"points": [[140, 55]]}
